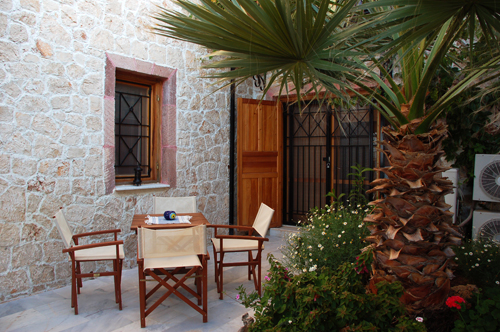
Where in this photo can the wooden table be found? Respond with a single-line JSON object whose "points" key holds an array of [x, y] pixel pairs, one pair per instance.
{"points": [[196, 220]]}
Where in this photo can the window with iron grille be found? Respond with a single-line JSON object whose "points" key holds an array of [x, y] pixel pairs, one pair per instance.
{"points": [[136, 113], [161, 157]]}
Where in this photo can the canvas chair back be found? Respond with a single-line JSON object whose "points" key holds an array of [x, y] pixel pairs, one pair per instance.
{"points": [[177, 204], [63, 228], [263, 219], [158, 243]]}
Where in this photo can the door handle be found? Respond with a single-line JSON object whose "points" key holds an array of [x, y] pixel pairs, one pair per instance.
{"points": [[328, 163]]}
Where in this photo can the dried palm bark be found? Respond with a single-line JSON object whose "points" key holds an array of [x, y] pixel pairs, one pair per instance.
{"points": [[411, 225]]}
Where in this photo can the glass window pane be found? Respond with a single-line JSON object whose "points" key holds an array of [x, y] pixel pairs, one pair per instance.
{"points": [[132, 129]]}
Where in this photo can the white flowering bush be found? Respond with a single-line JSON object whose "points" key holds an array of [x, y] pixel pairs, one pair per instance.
{"points": [[479, 262], [328, 238], [326, 300]]}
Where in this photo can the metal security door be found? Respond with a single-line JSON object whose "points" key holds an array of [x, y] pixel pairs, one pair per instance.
{"points": [[321, 145], [352, 144], [307, 159]]}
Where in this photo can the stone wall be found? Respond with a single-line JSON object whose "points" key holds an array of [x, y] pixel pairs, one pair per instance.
{"points": [[52, 74]]}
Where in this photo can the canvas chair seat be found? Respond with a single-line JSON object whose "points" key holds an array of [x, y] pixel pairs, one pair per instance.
{"points": [[99, 253], [234, 245], [162, 254], [172, 262], [90, 252], [238, 243]]}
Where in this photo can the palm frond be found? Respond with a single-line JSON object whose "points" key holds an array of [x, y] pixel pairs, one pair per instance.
{"points": [[421, 33], [300, 43], [489, 71], [421, 19]]}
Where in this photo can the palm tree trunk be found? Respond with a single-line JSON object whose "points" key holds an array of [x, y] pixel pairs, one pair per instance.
{"points": [[411, 225]]}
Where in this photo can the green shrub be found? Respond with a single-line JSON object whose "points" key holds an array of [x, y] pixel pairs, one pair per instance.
{"points": [[330, 300], [483, 315], [479, 262], [357, 194], [328, 238]]}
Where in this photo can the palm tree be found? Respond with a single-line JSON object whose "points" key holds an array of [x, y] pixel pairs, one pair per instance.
{"points": [[411, 227], [313, 42]]}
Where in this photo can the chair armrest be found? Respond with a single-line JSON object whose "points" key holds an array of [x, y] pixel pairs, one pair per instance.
{"points": [[93, 245], [76, 236], [243, 228], [240, 228], [242, 237]]}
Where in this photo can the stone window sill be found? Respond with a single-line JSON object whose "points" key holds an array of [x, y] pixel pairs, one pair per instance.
{"points": [[145, 186]]}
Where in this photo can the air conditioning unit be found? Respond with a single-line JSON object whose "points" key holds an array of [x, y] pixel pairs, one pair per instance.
{"points": [[486, 225], [487, 178], [452, 175]]}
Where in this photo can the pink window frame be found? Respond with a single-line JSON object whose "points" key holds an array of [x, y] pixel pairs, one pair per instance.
{"points": [[168, 124]]}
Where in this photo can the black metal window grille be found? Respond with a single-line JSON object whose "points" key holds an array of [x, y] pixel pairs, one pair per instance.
{"points": [[320, 147], [132, 129]]}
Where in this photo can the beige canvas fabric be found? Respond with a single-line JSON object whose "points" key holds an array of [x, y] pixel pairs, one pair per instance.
{"points": [[63, 228], [251, 243], [177, 204], [99, 253], [260, 224], [236, 244], [155, 245], [91, 254], [263, 219], [172, 262]]}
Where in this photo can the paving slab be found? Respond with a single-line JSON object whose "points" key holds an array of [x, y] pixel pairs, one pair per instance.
{"points": [[98, 312]]}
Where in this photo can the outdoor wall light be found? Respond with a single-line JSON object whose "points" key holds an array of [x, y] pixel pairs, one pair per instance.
{"points": [[137, 178]]}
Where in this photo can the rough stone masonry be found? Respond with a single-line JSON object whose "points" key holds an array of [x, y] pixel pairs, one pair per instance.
{"points": [[52, 128]]}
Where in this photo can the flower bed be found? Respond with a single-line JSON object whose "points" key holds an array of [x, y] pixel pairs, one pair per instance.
{"points": [[327, 238], [320, 284]]}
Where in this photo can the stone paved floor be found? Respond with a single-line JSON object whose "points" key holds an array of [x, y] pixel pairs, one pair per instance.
{"points": [[51, 311]]}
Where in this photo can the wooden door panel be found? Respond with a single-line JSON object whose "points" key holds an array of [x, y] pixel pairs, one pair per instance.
{"points": [[259, 155], [251, 204], [250, 134], [269, 196], [269, 125], [259, 162]]}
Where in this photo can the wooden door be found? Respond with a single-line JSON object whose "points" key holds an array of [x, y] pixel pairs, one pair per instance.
{"points": [[260, 159]]}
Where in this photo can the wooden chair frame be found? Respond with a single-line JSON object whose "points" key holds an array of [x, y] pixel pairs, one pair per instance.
{"points": [[196, 272], [76, 273], [252, 262]]}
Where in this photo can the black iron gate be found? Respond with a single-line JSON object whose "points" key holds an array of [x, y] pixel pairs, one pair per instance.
{"points": [[321, 145]]}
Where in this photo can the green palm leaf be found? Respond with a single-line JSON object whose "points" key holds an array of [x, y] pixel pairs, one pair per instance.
{"points": [[421, 19], [302, 44], [492, 66], [307, 42], [418, 29]]}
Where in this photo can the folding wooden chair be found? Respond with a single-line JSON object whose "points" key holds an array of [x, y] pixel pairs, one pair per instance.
{"points": [[112, 250], [223, 244], [177, 204], [168, 252]]}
